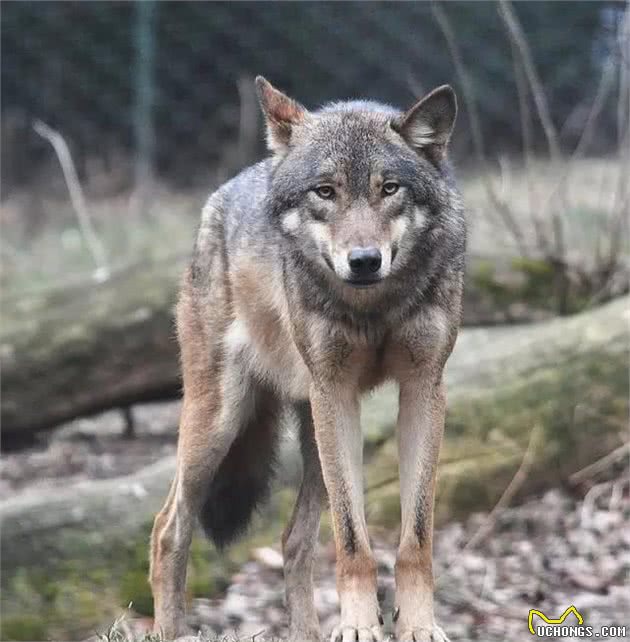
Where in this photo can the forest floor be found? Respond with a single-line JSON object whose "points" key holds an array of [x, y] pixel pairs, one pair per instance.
{"points": [[547, 554], [560, 549]]}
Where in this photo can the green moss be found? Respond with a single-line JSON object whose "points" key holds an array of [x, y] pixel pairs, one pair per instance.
{"points": [[135, 590], [535, 268], [483, 277], [532, 282], [23, 627], [62, 604], [579, 403]]}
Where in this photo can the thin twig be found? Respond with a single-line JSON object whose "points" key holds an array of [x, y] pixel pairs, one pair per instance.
{"points": [[515, 32], [603, 90], [528, 154], [512, 488], [77, 197], [619, 212], [601, 464], [590, 499], [540, 99], [508, 494], [623, 102]]}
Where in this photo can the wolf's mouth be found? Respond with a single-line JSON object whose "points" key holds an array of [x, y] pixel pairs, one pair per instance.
{"points": [[362, 283]]}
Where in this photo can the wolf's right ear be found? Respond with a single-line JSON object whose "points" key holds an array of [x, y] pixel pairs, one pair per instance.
{"points": [[281, 113]]}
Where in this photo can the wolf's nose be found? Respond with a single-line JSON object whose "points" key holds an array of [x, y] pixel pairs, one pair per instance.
{"points": [[364, 261]]}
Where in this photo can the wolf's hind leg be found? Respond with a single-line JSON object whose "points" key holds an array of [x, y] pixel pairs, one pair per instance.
{"points": [[299, 540], [173, 526], [200, 451], [218, 401]]}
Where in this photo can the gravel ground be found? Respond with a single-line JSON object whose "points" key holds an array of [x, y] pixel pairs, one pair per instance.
{"points": [[546, 554]]}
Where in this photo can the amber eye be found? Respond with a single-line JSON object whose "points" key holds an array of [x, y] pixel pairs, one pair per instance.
{"points": [[389, 188], [325, 191]]}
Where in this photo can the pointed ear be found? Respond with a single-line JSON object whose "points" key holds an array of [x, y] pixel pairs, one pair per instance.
{"points": [[281, 113], [429, 123]]}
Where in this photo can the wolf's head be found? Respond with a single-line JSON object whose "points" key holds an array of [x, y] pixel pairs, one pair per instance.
{"points": [[357, 185]]}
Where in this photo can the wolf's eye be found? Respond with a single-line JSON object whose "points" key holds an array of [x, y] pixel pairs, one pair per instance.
{"points": [[389, 188], [325, 191]]}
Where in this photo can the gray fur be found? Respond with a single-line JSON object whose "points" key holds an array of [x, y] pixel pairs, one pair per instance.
{"points": [[354, 138]]}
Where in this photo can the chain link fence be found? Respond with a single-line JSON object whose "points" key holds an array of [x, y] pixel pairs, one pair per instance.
{"points": [[164, 88]]}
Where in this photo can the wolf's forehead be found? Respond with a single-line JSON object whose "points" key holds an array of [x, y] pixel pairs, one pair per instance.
{"points": [[350, 143]]}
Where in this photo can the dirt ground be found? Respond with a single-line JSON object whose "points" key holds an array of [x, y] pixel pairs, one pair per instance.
{"points": [[560, 549], [552, 552], [547, 554]]}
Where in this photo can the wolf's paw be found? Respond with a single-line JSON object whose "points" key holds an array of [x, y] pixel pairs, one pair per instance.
{"points": [[343, 633], [423, 635]]}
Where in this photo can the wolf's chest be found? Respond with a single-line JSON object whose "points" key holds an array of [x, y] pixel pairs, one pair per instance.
{"points": [[270, 355]]}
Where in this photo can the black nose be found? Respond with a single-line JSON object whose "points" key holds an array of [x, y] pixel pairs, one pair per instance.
{"points": [[364, 261]]}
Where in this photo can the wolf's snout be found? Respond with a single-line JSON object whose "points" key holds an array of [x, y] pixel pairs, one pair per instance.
{"points": [[364, 261]]}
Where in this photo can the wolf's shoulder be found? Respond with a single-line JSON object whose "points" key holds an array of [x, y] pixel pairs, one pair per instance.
{"points": [[248, 185], [238, 204], [242, 193]]}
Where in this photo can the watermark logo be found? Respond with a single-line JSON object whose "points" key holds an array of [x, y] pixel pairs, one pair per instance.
{"points": [[556, 622], [558, 628]]}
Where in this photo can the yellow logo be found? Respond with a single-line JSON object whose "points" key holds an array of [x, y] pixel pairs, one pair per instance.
{"points": [[547, 620]]}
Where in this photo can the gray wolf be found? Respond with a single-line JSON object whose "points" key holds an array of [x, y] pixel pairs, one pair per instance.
{"points": [[317, 274]]}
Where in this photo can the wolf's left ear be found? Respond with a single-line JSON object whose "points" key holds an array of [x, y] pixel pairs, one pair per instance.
{"points": [[281, 112], [429, 123]]}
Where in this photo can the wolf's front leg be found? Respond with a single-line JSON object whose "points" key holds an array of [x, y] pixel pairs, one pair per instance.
{"points": [[420, 428], [339, 442]]}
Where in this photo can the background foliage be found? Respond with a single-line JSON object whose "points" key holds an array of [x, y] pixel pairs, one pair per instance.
{"points": [[160, 80]]}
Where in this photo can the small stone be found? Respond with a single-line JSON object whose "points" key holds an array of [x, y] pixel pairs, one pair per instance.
{"points": [[269, 558]]}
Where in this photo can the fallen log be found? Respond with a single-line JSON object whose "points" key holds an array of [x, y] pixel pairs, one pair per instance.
{"points": [[88, 348]]}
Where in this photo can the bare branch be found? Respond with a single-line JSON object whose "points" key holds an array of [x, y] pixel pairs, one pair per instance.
{"points": [[528, 154], [77, 197], [512, 488], [540, 100], [603, 91], [508, 494], [601, 464], [516, 33], [504, 211]]}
